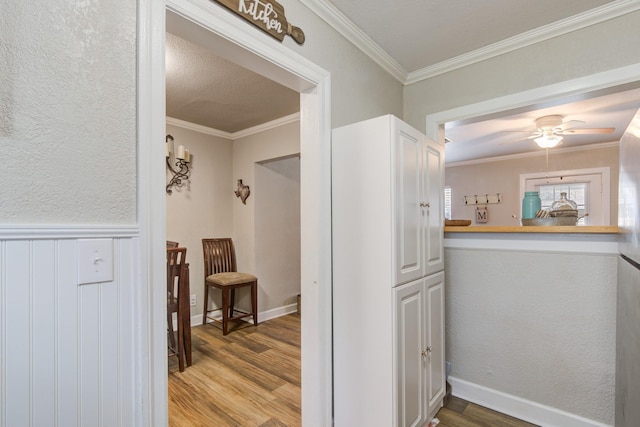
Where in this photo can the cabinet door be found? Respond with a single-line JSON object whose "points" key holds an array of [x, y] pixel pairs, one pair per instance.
{"points": [[410, 329], [433, 215], [435, 342], [408, 146]]}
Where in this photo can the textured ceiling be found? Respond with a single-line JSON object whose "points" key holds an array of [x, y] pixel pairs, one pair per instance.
{"points": [[205, 89]]}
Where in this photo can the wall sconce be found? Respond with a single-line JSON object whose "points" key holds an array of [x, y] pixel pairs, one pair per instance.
{"points": [[242, 192], [182, 160]]}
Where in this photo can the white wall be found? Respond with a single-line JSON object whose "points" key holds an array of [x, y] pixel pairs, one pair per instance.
{"points": [[536, 325], [503, 176], [67, 351]]}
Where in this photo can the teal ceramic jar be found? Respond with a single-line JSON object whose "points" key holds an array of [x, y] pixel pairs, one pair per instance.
{"points": [[530, 204]]}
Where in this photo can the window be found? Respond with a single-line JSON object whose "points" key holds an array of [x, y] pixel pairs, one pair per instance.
{"points": [[589, 188], [447, 202]]}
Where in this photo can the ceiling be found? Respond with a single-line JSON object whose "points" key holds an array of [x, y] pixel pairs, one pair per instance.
{"points": [[207, 90]]}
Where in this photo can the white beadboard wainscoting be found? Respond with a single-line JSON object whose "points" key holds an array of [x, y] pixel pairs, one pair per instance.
{"points": [[68, 352]]}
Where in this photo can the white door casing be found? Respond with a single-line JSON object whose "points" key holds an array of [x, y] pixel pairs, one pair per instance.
{"points": [[218, 30]]}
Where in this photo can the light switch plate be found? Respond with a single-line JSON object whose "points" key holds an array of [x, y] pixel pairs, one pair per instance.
{"points": [[95, 261]]}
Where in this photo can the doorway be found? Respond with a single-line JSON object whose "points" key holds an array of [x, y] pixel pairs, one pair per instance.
{"points": [[219, 31]]}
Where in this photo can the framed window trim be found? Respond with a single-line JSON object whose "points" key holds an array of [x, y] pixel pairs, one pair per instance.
{"points": [[599, 195]]}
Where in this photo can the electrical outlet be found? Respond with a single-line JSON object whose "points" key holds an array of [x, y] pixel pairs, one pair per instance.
{"points": [[192, 300]]}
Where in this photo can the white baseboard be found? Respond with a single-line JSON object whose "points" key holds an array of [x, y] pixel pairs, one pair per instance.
{"points": [[263, 316], [524, 409]]}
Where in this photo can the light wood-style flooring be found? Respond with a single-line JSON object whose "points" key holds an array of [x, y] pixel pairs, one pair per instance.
{"points": [[251, 378]]}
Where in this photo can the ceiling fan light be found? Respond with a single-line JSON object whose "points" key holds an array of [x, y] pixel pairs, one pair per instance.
{"points": [[548, 141]]}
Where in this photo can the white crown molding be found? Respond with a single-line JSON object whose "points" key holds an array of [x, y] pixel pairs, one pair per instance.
{"points": [[573, 23], [534, 154], [198, 128], [355, 35], [343, 25], [291, 118]]}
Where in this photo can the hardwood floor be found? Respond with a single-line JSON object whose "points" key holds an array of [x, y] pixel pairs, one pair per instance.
{"points": [[460, 413], [251, 378]]}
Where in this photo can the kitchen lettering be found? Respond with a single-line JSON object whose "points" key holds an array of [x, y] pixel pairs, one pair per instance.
{"points": [[262, 12]]}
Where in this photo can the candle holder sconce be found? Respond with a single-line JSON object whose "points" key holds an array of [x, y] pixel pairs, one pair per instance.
{"points": [[182, 159]]}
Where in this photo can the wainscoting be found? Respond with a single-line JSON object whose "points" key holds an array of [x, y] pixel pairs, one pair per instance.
{"points": [[67, 351]]}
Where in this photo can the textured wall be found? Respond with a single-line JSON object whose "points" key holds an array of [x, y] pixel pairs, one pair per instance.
{"points": [[540, 326], [67, 112]]}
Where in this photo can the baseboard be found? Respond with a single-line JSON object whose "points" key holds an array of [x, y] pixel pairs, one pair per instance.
{"points": [[527, 410], [263, 316]]}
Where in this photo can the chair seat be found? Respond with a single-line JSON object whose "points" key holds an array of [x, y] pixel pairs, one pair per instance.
{"points": [[230, 279]]}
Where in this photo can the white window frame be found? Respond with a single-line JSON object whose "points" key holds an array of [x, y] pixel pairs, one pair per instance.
{"points": [[448, 202], [599, 197]]}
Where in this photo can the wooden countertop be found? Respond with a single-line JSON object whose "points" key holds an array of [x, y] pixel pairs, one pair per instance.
{"points": [[573, 229]]}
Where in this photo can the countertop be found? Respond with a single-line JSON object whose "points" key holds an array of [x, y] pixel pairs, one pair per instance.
{"points": [[573, 229]]}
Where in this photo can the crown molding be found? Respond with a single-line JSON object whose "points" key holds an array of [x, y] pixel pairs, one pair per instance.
{"points": [[291, 118], [343, 25], [573, 23], [198, 128], [536, 153], [362, 41]]}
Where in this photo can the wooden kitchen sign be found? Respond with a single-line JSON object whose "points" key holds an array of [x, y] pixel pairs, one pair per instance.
{"points": [[267, 15]]}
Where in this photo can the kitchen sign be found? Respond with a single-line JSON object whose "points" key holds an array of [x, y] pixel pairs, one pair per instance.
{"points": [[268, 15]]}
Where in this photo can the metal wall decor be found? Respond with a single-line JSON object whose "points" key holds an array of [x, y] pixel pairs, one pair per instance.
{"points": [[483, 199], [242, 192], [268, 15], [181, 159]]}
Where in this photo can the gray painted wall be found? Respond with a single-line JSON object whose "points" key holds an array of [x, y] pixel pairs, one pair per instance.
{"points": [[540, 326]]}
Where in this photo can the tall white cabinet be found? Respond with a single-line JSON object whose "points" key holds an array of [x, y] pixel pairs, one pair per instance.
{"points": [[388, 279]]}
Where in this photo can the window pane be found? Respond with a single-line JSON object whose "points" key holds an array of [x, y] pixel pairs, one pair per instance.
{"points": [[577, 192]]}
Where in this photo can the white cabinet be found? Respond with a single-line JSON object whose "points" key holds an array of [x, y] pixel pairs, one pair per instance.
{"points": [[419, 334], [388, 285], [417, 174]]}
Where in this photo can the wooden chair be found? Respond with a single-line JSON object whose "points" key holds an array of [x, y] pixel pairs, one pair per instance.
{"points": [[176, 268], [171, 244], [220, 272]]}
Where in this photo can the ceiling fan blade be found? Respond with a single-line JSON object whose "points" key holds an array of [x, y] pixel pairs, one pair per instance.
{"points": [[570, 124], [587, 131]]}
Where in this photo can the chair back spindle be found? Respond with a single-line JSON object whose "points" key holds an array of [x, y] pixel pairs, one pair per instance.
{"points": [[219, 256]]}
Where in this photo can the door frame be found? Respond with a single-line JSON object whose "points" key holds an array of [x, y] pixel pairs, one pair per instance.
{"points": [[222, 32]]}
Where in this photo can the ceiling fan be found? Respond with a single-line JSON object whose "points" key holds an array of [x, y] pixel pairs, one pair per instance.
{"points": [[551, 129]]}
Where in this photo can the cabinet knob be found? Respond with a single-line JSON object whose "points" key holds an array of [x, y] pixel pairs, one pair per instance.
{"points": [[424, 204], [426, 352]]}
